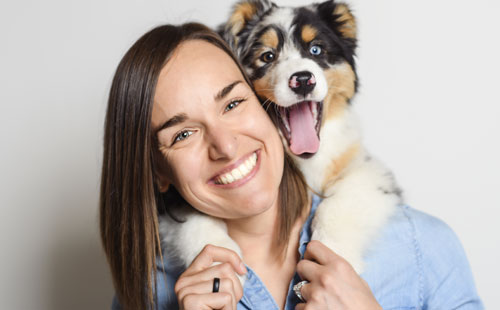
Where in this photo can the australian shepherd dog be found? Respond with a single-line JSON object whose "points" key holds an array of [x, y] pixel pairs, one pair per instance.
{"points": [[302, 64]]}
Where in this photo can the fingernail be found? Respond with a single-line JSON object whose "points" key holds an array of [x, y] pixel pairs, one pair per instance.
{"points": [[243, 268]]}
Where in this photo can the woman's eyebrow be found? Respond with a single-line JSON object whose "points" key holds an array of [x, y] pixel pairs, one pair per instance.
{"points": [[226, 90], [182, 117], [177, 119]]}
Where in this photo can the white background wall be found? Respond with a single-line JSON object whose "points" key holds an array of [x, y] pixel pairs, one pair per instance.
{"points": [[429, 103]]}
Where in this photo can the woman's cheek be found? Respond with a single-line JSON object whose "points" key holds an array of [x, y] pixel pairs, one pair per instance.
{"points": [[185, 168]]}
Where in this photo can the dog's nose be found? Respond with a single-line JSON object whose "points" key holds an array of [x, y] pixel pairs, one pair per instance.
{"points": [[302, 83]]}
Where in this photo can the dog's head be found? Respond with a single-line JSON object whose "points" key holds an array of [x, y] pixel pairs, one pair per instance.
{"points": [[301, 61]]}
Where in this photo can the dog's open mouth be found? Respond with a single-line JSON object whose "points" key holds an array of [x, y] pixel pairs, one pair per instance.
{"points": [[300, 124]]}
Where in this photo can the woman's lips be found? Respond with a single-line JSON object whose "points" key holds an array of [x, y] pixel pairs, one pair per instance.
{"points": [[238, 173]]}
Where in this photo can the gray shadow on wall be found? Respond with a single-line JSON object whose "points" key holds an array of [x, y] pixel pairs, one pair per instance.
{"points": [[80, 276]]}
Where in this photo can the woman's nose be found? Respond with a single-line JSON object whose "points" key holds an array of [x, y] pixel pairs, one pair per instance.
{"points": [[223, 143]]}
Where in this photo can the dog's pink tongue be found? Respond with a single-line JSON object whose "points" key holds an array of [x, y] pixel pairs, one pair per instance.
{"points": [[303, 134]]}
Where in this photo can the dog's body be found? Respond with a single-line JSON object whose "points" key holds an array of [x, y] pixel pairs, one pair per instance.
{"points": [[301, 61]]}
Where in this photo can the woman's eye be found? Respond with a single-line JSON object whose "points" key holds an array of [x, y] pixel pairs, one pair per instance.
{"points": [[183, 135], [268, 57], [233, 104], [315, 50]]}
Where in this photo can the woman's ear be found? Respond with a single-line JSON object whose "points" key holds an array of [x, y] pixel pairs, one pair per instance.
{"points": [[163, 186], [160, 172], [162, 182], [160, 177]]}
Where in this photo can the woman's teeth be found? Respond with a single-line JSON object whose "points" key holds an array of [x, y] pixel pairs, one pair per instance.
{"points": [[239, 172]]}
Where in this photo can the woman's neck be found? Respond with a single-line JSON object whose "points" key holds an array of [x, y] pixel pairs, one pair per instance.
{"points": [[256, 234], [257, 237]]}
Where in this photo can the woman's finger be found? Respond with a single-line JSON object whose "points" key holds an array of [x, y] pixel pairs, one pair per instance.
{"points": [[205, 287], [211, 254], [300, 306], [221, 271], [305, 291], [222, 300], [317, 251], [320, 253], [308, 270]]}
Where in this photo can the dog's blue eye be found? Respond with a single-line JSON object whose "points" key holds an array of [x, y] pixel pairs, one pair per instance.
{"points": [[268, 57], [315, 50]]}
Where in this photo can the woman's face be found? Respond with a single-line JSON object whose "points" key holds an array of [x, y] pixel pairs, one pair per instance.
{"points": [[222, 152]]}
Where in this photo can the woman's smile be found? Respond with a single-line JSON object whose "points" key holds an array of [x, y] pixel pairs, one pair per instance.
{"points": [[238, 173]]}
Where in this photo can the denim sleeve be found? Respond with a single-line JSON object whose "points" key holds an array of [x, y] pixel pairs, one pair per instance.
{"points": [[115, 305], [446, 277], [166, 299]]}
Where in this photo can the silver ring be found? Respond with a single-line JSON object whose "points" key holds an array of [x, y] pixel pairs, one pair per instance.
{"points": [[297, 287]]}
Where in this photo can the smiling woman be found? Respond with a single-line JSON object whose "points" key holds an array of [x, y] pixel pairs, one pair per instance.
{"points": [[225, 140], [184, 127]]}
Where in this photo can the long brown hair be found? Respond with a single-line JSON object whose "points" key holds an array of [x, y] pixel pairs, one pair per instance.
{"points": [[130, 200]]}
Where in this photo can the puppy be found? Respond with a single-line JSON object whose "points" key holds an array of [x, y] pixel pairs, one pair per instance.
{"points": [[301, 61]]}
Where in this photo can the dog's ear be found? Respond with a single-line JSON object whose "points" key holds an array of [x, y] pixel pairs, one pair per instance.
{"points": [[243, 13], [340, 19]]}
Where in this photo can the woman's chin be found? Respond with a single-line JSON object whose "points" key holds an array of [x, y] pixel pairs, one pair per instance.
{"points": [[257, 203], [243, 206]]}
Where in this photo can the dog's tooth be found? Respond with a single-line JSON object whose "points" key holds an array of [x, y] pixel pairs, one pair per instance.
{"points": [[285, 121], [313, 106]]}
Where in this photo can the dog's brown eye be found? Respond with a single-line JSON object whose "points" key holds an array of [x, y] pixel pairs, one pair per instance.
{"points": [[267, 57]]}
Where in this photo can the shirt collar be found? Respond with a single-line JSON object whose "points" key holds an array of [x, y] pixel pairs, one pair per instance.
{"points": [[305, 233], [256, 295]]}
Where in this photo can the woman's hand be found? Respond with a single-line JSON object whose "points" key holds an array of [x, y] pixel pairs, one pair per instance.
{"points": [[194, 286], [333, 282]]}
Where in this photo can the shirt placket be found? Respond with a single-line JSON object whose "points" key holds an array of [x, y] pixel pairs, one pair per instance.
{"points": [[256, 296]]}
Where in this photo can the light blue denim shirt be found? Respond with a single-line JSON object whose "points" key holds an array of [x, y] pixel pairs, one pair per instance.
{"points": [[417, 263]]}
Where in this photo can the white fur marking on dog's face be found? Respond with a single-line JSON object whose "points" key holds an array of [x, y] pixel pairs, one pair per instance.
{"points": [[289, 62], [281, 17]]}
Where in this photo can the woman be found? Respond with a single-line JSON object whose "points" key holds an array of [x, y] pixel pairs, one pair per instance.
{"points": [[184, 126]]}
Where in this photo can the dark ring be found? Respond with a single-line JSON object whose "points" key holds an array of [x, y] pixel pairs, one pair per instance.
{"points": [[215, 288]]}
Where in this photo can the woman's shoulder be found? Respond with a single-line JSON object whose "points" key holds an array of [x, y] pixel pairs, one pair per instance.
{"points": [[432, 241], [167, 273], [423, 229], [424, 256]]}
